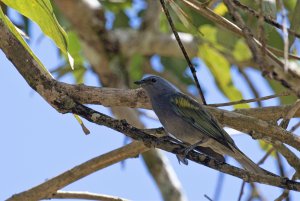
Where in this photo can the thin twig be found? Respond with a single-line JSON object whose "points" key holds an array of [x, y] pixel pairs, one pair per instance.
{"points": [[294, 128], [84, 196], [206, 196], [219, 186], [264, 158], [249, 100], [290, 156], [255, 193], [290, 114], [192, 68], [266, 18], [279, 164], [285, 193], [281, 170], [241, 191]]}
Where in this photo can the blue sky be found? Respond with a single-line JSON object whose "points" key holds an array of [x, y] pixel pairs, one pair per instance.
{"points": [[38, 143]]}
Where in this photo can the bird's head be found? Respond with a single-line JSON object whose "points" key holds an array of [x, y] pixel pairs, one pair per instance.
{"points": [[155, 85]]}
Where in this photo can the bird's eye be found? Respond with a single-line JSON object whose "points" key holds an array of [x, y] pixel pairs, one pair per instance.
{"points": [[153, 80]]}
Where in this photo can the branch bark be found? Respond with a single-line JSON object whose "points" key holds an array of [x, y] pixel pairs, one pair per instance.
{"points": [[110, 76], [64, 103], [62, 99], [85, 196]]}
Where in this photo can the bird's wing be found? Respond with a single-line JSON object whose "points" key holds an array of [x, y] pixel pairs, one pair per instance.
{"points": [[194, 113]]}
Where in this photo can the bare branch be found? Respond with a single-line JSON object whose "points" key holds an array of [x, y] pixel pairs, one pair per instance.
{"points": [[148, 140], [84, 196], [249, 100], [52, 92], [192, 68], [63, 102], [267, 19], [111, 70], [276, 71]]}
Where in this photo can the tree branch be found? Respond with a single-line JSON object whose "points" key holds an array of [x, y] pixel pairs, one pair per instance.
{"points": [[84, 196], [114, 74], [290, 80], [267, 19], [47, 87], [186, 56], [63, 100], [249, 100]]}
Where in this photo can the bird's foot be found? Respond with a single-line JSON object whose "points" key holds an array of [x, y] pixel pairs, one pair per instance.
{"points": [[186, 151]]}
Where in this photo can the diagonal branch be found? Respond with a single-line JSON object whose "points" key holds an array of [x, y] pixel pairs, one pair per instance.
{"points": [[192, 68], [85, 196], [60, 99], [267, 19], [250, 100]]}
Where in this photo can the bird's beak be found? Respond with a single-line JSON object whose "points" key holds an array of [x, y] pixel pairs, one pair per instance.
{"points": [[139, 82]]}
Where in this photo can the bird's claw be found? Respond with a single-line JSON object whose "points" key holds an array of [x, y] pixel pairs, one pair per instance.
{"points": [[186, 152]]}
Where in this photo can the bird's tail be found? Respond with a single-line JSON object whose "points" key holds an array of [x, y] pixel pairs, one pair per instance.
{"points": [[248, 164]]}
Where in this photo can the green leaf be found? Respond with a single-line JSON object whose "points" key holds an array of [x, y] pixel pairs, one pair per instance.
{"points": [[220, 68], [117, 6], [221, 9], [75, 48], [16, 33], [241, 51], [274, 39], [209, 33], [269, 8], [136, 67], [41, 12], [220, 39], [121, 20]]}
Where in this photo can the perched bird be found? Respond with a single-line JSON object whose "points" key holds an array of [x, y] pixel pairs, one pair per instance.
{"points": [[187, 120]]}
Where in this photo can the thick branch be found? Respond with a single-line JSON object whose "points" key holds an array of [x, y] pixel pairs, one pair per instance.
{"points": [[65, 103], [137, 98], [63, 100], [108, 69], [149, 140]]}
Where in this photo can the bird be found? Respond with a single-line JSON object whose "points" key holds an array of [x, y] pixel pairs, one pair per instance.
{"points": [[188, 121]]}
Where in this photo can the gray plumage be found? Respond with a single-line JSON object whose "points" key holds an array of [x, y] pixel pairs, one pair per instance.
{"points": [[188, 121]]}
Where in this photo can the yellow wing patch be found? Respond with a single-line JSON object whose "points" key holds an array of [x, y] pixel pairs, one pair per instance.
{"points": [[182, 102]]}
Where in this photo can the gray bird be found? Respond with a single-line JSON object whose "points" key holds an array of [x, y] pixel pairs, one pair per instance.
{"points": [[187, 120]]}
